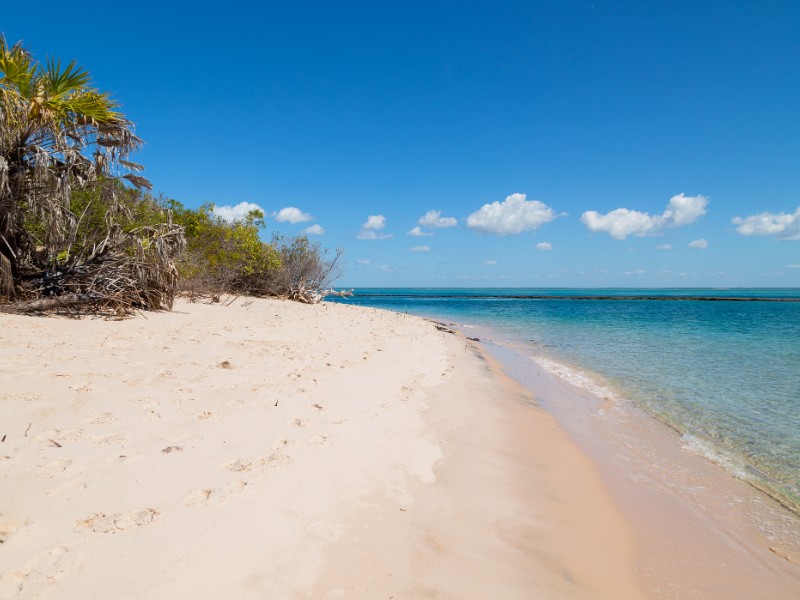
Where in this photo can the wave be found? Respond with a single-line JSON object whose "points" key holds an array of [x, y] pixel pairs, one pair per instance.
{"points": [[580, 379], [690, 441]]}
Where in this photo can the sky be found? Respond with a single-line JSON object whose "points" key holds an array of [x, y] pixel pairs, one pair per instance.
{"points": [[470, 144]]}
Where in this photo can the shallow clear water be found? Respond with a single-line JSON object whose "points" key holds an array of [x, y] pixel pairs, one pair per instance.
{"points": [[725, 374]]}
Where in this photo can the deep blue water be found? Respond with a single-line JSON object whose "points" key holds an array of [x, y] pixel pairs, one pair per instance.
{"points": [[726, 374]]}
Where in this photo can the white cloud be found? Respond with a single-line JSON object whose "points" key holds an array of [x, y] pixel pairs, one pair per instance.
{"points": [[664, 247], [387, 268], [434, 218], [793, 266], [683, 210], [782, 226], [417, 232], [619, 223], [513, 215], [314, 230], [420, 249], [622, 222], [490, 263], [700, 244], [371, 235], [235, 213], [363, 261], [292, 215], [636, 272], [544, 246], [371, 226], [374, 222]]}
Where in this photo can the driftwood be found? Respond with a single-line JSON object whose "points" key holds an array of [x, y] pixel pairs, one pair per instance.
{"points": [[442, 327], [339, 294], [311, 296]]}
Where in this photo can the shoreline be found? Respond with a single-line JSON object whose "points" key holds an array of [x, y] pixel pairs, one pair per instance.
{"points": [[716, 520], [516, 508], [273, 449]]}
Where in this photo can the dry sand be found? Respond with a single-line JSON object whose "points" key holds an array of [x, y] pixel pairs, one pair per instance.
{"points": [[274, 450], [269, 449]]}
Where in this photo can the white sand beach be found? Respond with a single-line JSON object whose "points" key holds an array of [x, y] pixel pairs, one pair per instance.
{"points": [[269, 449]]}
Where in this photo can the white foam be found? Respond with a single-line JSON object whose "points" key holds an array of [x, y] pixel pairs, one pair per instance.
{"points": [[735, 467], [576, 377]]}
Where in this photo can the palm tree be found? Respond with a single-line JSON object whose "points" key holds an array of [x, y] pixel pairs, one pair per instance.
{"points": [[56, 131]]}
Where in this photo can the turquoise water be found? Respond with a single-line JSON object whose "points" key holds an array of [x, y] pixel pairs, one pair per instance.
{"points": [[724, 372]]}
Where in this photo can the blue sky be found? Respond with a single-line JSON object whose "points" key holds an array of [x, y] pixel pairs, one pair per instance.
{"points": [[528, 126]]}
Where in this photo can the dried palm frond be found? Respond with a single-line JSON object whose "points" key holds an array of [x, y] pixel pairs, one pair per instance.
{"points": [[123, 273]]}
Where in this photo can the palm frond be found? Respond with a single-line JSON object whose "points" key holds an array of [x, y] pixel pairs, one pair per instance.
{"points": [[17, 66], [91, 105], [131, 165], [70, 80], [139, 182]]}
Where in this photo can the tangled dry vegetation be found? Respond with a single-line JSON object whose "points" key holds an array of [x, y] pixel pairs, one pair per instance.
{"points": [[58, 135], [76, 238]]}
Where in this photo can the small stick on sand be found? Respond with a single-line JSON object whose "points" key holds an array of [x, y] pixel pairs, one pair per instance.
{"points": [[27, 430]]}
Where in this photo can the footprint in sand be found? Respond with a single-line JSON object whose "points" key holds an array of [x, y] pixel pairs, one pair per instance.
{"points": [[116, 522], [276, 459], [302, 423], [63, 435], [9, 526], [320, 440], [317, 406], [214, 496], [207, 416], [104, 418], [283, 443], [110, 440], [171, 449], [149, 406], [41, 571], [239, 465]]}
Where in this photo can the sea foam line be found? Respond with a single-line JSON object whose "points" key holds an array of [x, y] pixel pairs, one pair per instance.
{"points": [[576, 377]]}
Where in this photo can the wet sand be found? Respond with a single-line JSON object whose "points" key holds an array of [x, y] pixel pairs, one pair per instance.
{"points": [[699, 531]]}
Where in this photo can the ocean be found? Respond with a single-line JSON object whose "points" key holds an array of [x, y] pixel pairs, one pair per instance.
{"points": [[721, 367]]}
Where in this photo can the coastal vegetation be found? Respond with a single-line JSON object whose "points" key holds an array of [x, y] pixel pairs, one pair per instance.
{"points": [[80, 231]]}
